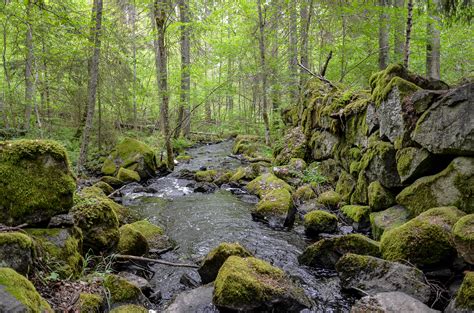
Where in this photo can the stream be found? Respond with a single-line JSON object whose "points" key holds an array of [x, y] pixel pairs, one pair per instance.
{"points": [[198, 222]]}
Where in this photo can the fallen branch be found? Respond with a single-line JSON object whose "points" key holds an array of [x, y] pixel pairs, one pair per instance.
{"points": [[321, 78], [259, 159], [117, 191], [5, 229], [143, 259]]}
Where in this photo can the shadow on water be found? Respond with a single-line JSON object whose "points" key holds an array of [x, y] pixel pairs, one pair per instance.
{"points": [[199, 222]]}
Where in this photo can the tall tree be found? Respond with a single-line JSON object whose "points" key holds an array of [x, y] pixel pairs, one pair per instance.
{"points": [[384, 27], [293, 51], [306, 12], [406, 52], [264, 72], [161, 10], [398, 30], [29, 60], [433, 40], [95, 39]]}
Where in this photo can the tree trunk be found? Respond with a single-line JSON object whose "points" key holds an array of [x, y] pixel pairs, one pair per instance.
{"points": [[399, 30], [93, 82], [134, 56], [306, 12], [29, 79], [406, 52], [185, 74], [275, 82], [384, 27], [261, 41], [161, 9], [433, 41], [293, 52], [6, 87]]}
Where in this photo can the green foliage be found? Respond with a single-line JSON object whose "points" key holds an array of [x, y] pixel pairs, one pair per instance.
{"points": [[313, 175]]}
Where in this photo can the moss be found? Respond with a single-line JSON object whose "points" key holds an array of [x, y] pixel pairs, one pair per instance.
{"points": [[216, 258], [35, 181], [106, 188], [265, 183], [120, 289], [90, 303], [132, 242], [153, 234], [112, 181], [404, 160], [345, 186], [294, 147], [225, 177], [379, 197], [418, 242], [129, 308], [356, 213], [304, 193], [277, 201], [206, 176], [386, 220], [352, 264], [183, 158], [465, 294], [23, 290], [445, 217], [463, 233], [98, 194], [326, 252], [126, 175], [62, 248], [360, 194], [20, 239], [316, 222], [330, 198], [297, 164]]}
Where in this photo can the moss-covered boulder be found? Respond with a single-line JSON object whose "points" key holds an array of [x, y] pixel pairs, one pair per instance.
{"points": [[463, 302], [130, 308], [295, 146], [373, 275], [357, 215], [253, 285], [323, 144], [18, 294], [289, 174], [132, 242], [128, 176], [275, 208], [246, 145], [121, 291], [463, 232], [90, 303], [318, 221], [452, 186], [112, 181], [133, 155], [413, 163], [345, 186], [106, 188], [330, 198], [380, 198], [387, 219], [213, 261], [265, 183], [207, 176], [154, 235], [61, 248], [184, 158], [36, 182], [304, 193], [16, 251], [326, 252], [361, 190]]}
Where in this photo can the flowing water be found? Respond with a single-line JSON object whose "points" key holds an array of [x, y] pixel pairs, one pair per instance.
{"points": [[198, 222]]}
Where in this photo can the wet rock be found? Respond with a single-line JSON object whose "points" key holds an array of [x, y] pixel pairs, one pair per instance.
{"points": [[463, 302], [196, 300], [294, 146], [130, 308], [253, 285], [245, 174], [373, 275], [380, 198], [463, 232], [128, 176], [448, 126], [326, 252], [316, 222], [413, 163], [106, 188], [153, 234], [186, 174], [122, 291], [137, 281], [275, 208], [207, 176], [390, 302], [213, 261], [18, 294], [112, 181], [323, 144], [357, 215], [387, 219], [16, 251], [61, 220], [205, 187], [132, 155], [36, 182], [452, 186], [132, 242], [265, 183], [188, 281]]}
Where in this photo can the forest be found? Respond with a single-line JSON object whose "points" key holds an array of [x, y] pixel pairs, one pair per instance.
{"points": [[237, 156]]}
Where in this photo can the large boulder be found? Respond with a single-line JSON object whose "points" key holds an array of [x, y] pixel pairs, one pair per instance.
{"points": [[387, 219], [133, 155], [413, 163], [132, 242], [452, 186], [253, 285], [326, 252], [213, 261], [294, 146], [448, 126], [463, 232], [36, 182], [463, 302], [373, 275], [318, 221], [16, 251], [275, 208], [390, 302], [265, 183], [323, 144], [18, 294], [380, 198], [345, 185]]}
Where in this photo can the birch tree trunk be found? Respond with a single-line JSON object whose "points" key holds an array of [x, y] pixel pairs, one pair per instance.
{"points": [[406, 52], [433, 40], [261, 41]]}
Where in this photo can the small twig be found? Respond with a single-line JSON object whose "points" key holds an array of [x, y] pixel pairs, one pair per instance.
{"points": [[321, 78], [117, 191], [139, 258]]}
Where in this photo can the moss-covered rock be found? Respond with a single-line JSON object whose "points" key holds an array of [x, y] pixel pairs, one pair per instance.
{"points": [[61, 248], [19, 294], [252, 285], [153, 234], [413, 163], [303, 194], [133, 155], [345, 186], [36, 182], [98, 194], [330, 170], [206, 176], [289, 174], [90, 303], [445, 217], [213, 261], [112, 181], [184, 158], [452, 186], [463, 232], [387, 219], [130, 308], [246, 145], [330, 198], [322, 145], [358, 215], [295, 146], [225, 177], [16, 251], [393, 301], [360, 194], [326, 252], [380, 198], [121, 291], [265, 183], [127, 176], [298, 164], [316, 222], [106, 188], [275, 208], [373, 275], [464, 300], [132, 242]]}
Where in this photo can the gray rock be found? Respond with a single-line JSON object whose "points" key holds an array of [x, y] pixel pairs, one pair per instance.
{"points": [[413, 163], [372, 118], [16, 252], [448, 126], [198, 300], [62, 220], [387, 219], [9, 303], [390, 302], [391, 117], [423, 99], [322, 144], [381, 164], [137, 281], [295, 145], [373, 275]]}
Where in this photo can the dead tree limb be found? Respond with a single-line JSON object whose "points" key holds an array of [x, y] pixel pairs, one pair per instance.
{"points": [[143, 259], [325, 66], [321, 78]]}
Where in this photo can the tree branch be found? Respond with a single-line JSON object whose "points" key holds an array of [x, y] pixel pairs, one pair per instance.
{"points": [[143, 259], [321, 78]]}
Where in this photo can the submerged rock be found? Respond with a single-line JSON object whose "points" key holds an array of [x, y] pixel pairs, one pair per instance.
{"points": [[463, 232], [253, 285], [373, 275], [16, 251], [318, 221], [390, 302], [36, 182]]}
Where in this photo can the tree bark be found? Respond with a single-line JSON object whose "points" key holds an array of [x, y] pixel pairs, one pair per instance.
{"points": [[399, 30], [293, 52], [406, 52], [161, 11], [185, 74], [93, 82], [306, 12], [384, 46], [134, 56], [261, 41], [433, 40], [29, 79]]}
